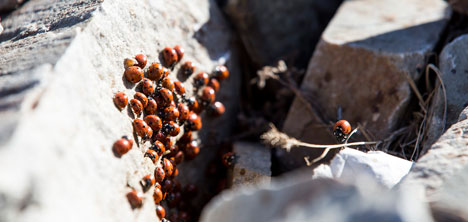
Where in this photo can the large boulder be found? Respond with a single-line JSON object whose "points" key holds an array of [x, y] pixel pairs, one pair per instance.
{"points": [[362, 65], [61, 63]]}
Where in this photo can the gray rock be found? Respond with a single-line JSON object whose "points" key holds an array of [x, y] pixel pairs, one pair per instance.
{"points": [[453, 67], [444, 160], [253, 164], [298, 198], [61, 63], [275, 29], [362, 64], [452, 199]]}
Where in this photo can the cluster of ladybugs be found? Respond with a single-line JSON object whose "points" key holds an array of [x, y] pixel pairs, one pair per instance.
{"points": [[166, 109]]}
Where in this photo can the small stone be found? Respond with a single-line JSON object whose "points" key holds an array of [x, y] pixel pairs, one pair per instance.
{"points": [[252, 164], [385, 169], [453, 70]]}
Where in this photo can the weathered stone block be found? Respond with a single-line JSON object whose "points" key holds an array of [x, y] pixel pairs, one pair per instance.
{"points": [[61, 63], [253, 164], [362, 64]]}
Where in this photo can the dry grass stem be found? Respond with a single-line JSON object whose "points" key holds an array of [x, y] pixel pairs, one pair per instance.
{"points": [[278, 139]]}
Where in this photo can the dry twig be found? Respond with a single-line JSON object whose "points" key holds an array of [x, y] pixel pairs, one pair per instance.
{"points": [[278, 139]]}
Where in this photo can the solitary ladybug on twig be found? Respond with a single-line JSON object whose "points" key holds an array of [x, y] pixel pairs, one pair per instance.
{"points": [[341, 130]]}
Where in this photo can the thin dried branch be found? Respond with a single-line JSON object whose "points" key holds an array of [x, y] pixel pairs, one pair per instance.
{"points": [[276, 138]]}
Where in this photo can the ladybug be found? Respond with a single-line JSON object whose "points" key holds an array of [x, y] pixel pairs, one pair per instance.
{"points": [[133, 74], [147, 181], [179, 157], [188, 68], [177, 186], [159, 147], [166, 72], [157, 185], [176, 171], [208, 95], [214, 83], [156, 72], [142, 98], [180, 52], [165, 140], [160, 211], [171, 113], [135, 199], [136, 105], [173, 216], [192, 150], [221, 72], [183, 216], [152, 107], [149, 134], [141, 59], [152, 155], [192, 104], [216, 109], [179, 87], [190, 190], [167, 185], [170, 56], [186, 137], [173, 199], [122, 146], [183, 205], [154, 122], [141, 128], [341, 130], [168, 84], [168, 167], [130, 62], [166, 95], [121, 100], [193, 122], [147, 86], [174, 150], [159, 174], [229, 159], [168, 142], [157, 195], [183, 112], [171, 128], [201, 79]]}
